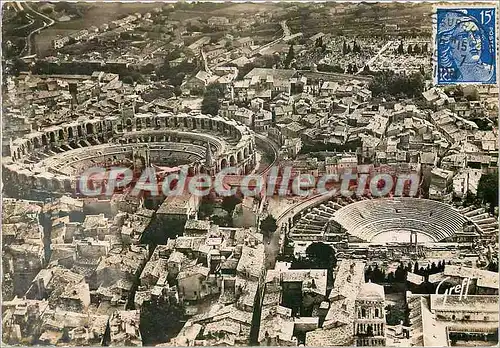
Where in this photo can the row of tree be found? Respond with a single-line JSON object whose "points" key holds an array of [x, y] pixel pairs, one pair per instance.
{"points": [[346, 48], [320, 44], [43, 67], [387, 83], [352, 68], [330, 68], [412, 50], [175, 74], [378, 275]]}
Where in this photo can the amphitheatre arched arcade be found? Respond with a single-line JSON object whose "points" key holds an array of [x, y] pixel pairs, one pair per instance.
{"points": [[51, 159]]}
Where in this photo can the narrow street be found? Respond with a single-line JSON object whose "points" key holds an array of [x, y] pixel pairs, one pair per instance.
{"points": [[38, 19]]}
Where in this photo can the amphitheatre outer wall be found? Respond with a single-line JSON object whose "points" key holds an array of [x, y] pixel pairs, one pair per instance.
{"points": [[47, 160]]}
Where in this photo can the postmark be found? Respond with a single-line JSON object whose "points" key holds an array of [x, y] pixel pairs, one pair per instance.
{"points": [[465, 40]]}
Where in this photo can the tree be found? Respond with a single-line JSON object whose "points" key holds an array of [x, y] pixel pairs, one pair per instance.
{"points": [[221, 220], [356, 48], [378, 275], [211, 104], [245, 69], [474, 96], [368, 274], [125, 36], [400, 274], [289, 57], [206, 208], [366, 70], [318, 256], [483, 124], [268, 226], [159, 321], [147, 69], [493, 266], [470, 198], [434, 268], [229, 203], [322, 255], [395, 315], [459, 92], [388, 83], [47, 10], [441, 265], [344, 48], [164, 70], [177, 80], [128, 80], [319, 42], [487, 190], [330, 68], [400, 48], [267, 61]]}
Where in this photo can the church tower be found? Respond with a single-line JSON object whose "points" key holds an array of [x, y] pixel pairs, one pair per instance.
{"points": [[209, 164], [369, 322]]}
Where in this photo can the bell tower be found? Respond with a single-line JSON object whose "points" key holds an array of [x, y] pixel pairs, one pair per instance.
{"points": [[141, 158], [209, 164]]}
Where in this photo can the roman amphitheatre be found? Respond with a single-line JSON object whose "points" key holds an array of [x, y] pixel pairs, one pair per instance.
{"points": [[51, 159]]}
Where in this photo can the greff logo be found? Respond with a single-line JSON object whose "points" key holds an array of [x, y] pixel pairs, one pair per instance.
{"points": [[459, 289]]}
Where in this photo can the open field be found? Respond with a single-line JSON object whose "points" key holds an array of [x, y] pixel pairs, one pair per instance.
{"points": [[93, 14], [246, 8], [98, 14], [364, 19]]}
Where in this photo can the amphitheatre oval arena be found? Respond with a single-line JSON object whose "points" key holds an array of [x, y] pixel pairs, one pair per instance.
{"points": [[50, 160], [382, 221]]}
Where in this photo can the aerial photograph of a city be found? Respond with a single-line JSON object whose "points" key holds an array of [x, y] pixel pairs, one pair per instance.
{"points": [[250, 174]]}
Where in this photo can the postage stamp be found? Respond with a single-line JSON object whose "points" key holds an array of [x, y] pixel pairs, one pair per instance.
{"points": [[465, 39]]}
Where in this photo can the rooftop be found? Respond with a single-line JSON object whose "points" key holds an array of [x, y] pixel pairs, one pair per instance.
{"points": [[471, 303], [484, 278]]}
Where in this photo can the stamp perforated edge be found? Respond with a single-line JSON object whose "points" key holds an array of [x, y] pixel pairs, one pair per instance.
{"points": [[462, 5]]}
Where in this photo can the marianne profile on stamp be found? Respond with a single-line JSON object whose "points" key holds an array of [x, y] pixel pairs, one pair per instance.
{"points": [[465, 42]]}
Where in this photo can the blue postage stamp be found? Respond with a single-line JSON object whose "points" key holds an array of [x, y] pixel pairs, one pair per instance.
{"points": [[465, 39]]}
